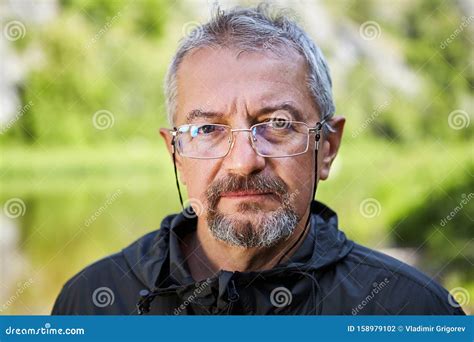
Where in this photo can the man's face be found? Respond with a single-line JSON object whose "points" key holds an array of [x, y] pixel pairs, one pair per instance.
{"points": [[247, 200]]}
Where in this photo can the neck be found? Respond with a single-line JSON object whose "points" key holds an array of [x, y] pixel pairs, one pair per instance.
{"points": [[206, 255]]}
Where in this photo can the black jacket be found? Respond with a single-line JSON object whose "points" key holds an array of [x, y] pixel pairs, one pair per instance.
{"points": [[328, 275]]}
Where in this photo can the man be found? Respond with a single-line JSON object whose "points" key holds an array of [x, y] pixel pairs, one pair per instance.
{"points": [[250, 102]]}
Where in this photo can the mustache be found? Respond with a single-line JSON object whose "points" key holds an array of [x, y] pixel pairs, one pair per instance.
{"points": [[235, 183]]}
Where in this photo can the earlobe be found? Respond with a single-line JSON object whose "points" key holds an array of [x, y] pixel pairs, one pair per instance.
{"points": [[325, 161]]}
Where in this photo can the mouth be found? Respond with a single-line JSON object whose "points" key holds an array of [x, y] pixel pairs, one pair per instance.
{"points": [[246, 194]]}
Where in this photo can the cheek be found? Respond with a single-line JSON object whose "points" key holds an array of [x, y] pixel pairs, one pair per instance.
{"points": [[198, 175], [298, 174]]}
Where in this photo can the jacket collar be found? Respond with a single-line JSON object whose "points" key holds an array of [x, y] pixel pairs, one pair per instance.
{"points": [[156, 259]]}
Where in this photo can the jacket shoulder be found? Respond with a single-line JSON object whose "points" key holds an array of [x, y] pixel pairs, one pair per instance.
{"points": [[407, 290], [97, 289], [111, 285]]}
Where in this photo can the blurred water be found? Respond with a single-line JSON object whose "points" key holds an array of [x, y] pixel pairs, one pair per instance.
{"points": [[58, 234]]}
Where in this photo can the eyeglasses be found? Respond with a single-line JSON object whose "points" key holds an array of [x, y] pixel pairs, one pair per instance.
{"points": [[273, 139]]}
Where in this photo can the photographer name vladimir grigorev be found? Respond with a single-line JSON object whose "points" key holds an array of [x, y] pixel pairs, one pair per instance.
{"points": [[438, 328]]}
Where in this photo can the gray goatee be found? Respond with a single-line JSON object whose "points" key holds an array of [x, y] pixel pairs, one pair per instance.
{"points": [[262, 228]]}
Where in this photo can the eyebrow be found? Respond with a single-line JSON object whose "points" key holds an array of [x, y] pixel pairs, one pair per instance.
{"points": [[297, 115], [198, 113]]}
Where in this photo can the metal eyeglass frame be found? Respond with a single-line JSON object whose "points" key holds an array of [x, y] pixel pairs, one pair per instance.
{"points": [[231, 139], [316, 129]]}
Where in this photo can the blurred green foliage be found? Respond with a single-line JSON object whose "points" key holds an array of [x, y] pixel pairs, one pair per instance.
{"points": [[97, 55], [443, 224]]}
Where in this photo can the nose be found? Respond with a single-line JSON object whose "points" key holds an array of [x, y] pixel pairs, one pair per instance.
{"points": [[242, 158]]}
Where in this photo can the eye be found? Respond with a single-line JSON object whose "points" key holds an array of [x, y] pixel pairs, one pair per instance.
{"points": [[280, 123], [207, 129]]}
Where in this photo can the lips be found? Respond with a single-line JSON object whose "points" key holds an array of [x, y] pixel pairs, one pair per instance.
{"points": [[245, 194]]}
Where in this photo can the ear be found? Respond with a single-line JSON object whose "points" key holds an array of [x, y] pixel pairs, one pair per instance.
{"points": [[330, 146], [168, 138]]}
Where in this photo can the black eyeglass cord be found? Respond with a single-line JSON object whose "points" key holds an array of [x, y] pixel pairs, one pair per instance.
{"points": [[173, 146], [315, 185]]}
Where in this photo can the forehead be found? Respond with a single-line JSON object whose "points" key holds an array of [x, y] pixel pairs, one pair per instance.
{"points": [[227, 80]]}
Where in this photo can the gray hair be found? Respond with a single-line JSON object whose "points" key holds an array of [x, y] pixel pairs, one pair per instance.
{"points": [[256, 29]]}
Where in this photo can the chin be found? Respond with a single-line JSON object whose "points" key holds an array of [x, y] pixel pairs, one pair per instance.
{"points": [[249, 208]]}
